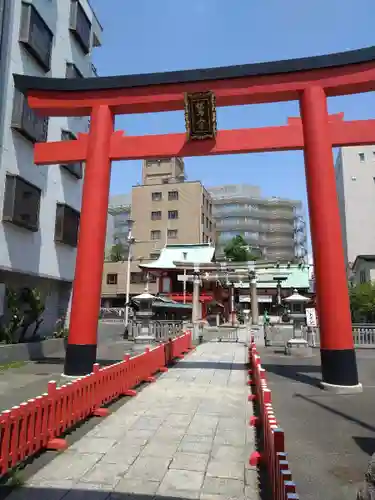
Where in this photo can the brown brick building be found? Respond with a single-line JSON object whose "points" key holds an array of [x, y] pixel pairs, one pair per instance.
{"points": [[165, 209]]}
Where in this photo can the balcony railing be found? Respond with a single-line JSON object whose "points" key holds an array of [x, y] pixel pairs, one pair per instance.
{"points": [[249, 224], [72, 71], [36, 36], [74, 169], [80, 25], [26, 121], [256, 214]]}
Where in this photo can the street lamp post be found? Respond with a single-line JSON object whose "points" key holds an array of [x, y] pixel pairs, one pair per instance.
{"points": [[232, 306], [254, 300], [131, 241]]}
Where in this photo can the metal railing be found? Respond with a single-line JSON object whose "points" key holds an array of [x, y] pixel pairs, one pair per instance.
{"points": [[161, 330], [278, 334], [112, 314], [363, 335]]}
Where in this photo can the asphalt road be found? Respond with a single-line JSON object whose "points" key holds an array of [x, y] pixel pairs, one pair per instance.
{"points": [[329, 438], [30, 380]]}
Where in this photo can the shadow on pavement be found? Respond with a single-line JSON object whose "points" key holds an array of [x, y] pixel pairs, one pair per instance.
{"points": [[367, 444], [298, 373], [60, 361], [338, 413], [93, 492]]}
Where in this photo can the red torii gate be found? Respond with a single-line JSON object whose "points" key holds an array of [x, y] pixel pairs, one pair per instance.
{"points": [[309, 80]]}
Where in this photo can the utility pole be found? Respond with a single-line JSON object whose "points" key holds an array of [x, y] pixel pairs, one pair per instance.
{"points": [[131, 242]]}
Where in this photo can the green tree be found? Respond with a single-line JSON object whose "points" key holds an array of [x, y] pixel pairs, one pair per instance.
{"points": [[362, 302], [14, 320], [237, 250], [33, 309], [117, 253]]}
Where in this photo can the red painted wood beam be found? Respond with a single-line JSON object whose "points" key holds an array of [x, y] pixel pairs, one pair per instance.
{"points": [[227, 142], [284, 138], [50, 153], [341, 80], [353, 133]]}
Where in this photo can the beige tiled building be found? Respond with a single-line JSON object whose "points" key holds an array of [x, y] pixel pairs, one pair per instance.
{"points": [[165, 209]]}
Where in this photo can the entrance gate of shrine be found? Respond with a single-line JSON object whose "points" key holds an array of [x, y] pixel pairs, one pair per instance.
{"points": [[198, 92]]}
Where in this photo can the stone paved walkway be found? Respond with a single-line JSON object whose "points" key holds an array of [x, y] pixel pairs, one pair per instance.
{"points": [[185, 436]]}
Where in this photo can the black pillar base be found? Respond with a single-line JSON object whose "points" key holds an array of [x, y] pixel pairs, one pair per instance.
{"points": [[79, 359], [339, 367]]}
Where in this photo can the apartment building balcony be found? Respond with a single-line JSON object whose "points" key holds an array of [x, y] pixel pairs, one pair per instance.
{"points": [[261, 241], [231, 223], [278, 204], [255, 214], [277, 242]]}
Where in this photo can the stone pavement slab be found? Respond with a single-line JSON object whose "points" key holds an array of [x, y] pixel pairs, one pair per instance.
{"points": [[185, 436]]}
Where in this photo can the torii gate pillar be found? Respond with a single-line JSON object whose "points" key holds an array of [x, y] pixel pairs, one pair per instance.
{"points": [[339, 367], [82, 340]]}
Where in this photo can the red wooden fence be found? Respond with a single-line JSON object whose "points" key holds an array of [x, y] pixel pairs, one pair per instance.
{"points": [[39, 423], [273, 455]]}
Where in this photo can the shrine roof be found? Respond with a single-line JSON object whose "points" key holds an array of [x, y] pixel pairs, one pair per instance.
{"points": [[27, 82], [174, 253], [297, 278]]}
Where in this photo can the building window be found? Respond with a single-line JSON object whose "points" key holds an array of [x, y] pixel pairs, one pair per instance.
{"points": [[24, 119], [361, 157], [207, 223], [74, 169], [156, 196], [172, 195], [80, 25], [66, 225], [172, 233], [155, 235], [172, 214], [21, 203], [154, 255], [36, 36], [156, 215], [112, 279], [72, 71], [362, 276], [202, 219], [136, 278]]}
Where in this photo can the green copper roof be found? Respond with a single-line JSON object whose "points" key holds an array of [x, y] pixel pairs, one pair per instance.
{"points": [[176, 253], [296, 278]]}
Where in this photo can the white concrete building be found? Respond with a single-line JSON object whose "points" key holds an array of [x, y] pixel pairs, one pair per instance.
{"points": [[41, 205], [119, 215], [363, 270], [355, 181], [273, 227]]}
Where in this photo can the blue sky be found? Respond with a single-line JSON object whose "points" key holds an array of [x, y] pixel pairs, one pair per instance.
{"points": [[143, 36]]}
